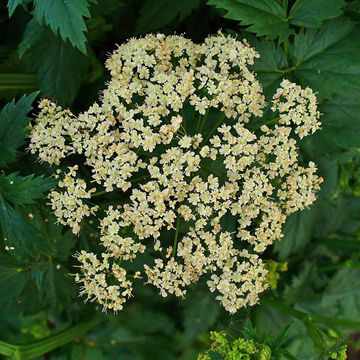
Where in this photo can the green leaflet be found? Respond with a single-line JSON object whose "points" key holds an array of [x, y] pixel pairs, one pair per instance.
{"points": [[200, 313], [297, 233], [341, 296], [272, 64], [310, 13], [272, 18], [13, 278], [17, 231], [59, 69], [13, 4], [300, 286], [340, 125], [155, 14], [264, 17], [12, 123], [24, 190], [327, 59], [67, 17]]}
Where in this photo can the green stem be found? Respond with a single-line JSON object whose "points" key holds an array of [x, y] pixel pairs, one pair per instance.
{"points": [[269, 122], [218, 123], [98, 193], [302, 316], [176, 235], [43, 346]]}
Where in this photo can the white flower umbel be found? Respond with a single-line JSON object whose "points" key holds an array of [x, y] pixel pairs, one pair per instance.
{"points": [[180, 175]]}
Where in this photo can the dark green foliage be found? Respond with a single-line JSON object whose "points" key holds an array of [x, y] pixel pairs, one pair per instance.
{"points": [[67, 17], [24, 190], [155, 14], [274, 18], [61, 67], [13, 119], [59, 48]]}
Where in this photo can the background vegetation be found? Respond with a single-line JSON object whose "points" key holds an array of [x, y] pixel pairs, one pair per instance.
{"points": [[58, 48]]}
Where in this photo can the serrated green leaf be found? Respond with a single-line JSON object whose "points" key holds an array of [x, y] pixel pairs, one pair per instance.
{"points": [[13, 4], [155, 14], [18, 232], [24, 190], [271, 65], [59, 69], [310, 13], [327, 59], [270, 18], [65, 16], [12, 123], [297, 233], [13, 278], [264, 17]]}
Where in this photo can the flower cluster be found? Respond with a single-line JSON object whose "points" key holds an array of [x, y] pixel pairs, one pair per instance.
{"points": [[199, 182]]}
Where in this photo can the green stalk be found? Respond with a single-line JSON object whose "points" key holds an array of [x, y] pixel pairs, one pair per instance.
{"points": [[43, 346], [98, 193], [304, 317], [269, 122], [176, 235]]}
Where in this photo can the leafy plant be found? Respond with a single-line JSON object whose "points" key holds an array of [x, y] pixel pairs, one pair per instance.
{"points": [[58, 49]]}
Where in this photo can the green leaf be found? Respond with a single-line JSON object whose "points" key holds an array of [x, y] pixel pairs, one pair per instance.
{"points": [[310, 13], [12, 123], [271, 19], [340, 125], [264, 17], [344, 283], [155, 14], [13, 278], [341, 297], [297, 233], [65, 16], [18, 232], [13, 4], [327, 59], [24, 189], [59, 69], [59, 286], [300, 286], [200, 313], [271, 65]]}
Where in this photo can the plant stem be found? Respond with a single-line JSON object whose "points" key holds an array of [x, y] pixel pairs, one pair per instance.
{"points": [[176, 235], [269, 122], [43, 346], [98, 193]]}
